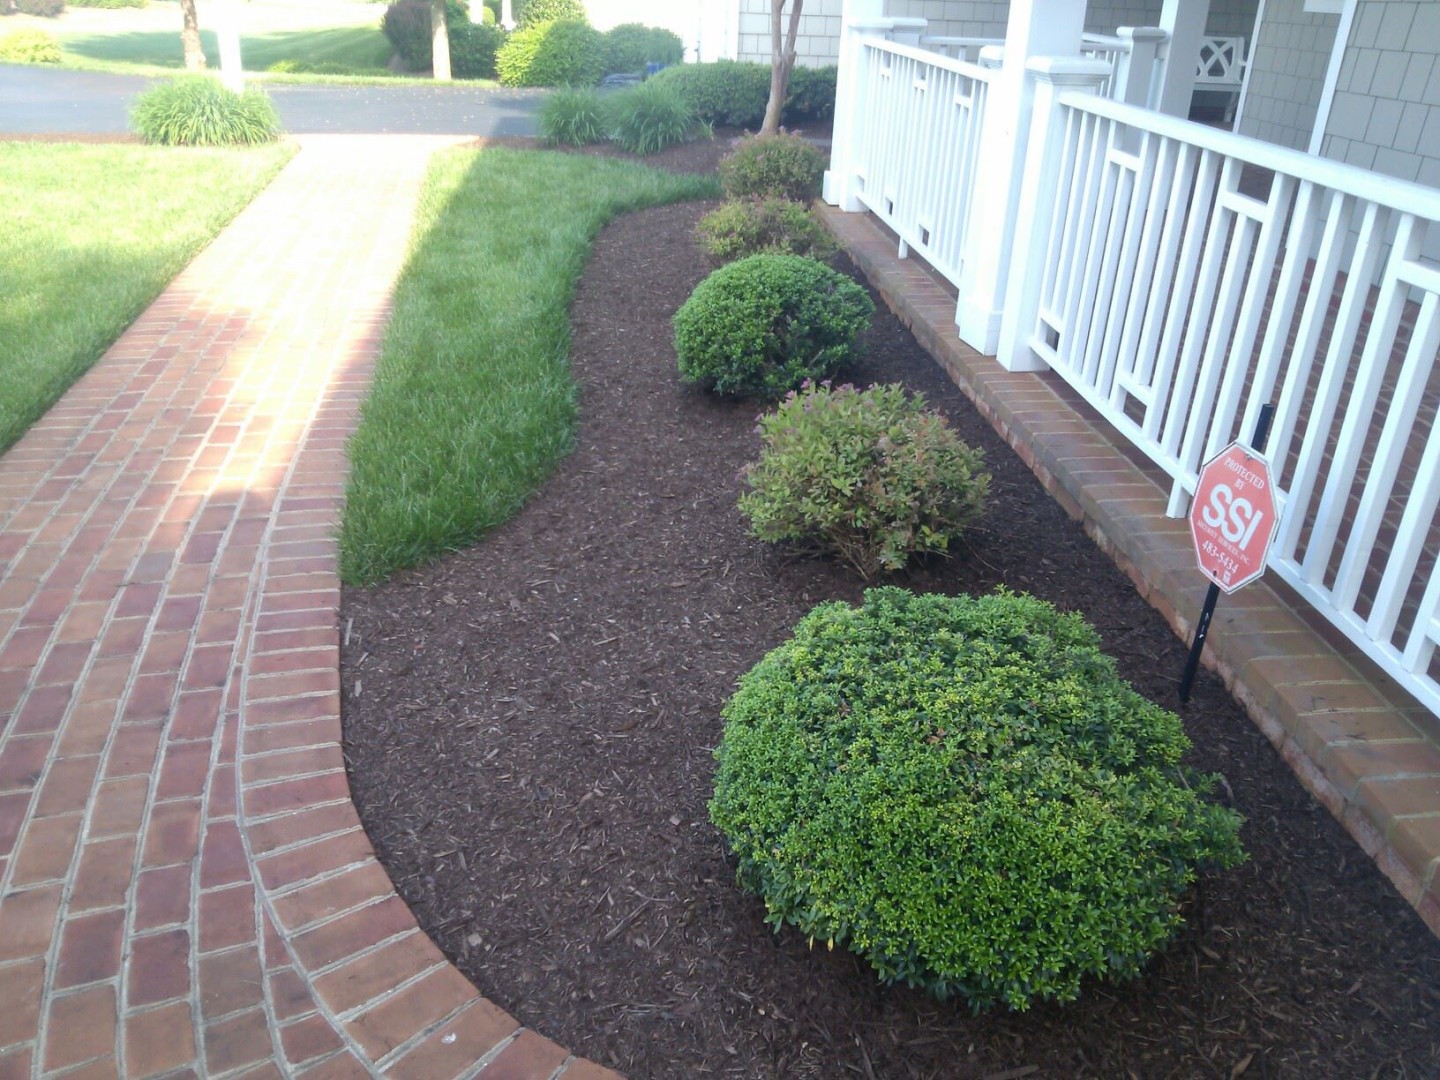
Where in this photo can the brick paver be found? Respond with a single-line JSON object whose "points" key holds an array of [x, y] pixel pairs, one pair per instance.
{"points": [[1360, 744], [185, 888]]}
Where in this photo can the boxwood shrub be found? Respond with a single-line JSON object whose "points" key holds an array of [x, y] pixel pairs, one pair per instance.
{"points": [[729, 93], [406, 24], [762, 326], [566, 53], [963, 792], [29, 46], [748, 226], [871, 476], [783, 166], [46, 9], [473, 49], [630, 46], [726, 93], [535, 12]]}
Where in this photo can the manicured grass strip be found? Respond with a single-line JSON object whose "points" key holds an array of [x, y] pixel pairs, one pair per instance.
{"points": [[89, 235], [473, 402]]}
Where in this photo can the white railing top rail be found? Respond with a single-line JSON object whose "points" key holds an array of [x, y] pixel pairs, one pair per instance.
{"points": [[1402, 195], [962, 42], [934, 59]]}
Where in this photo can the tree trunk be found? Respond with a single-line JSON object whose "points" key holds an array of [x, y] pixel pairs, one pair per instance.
{"points": [[439, 41], [190, 37], [782, 62]]}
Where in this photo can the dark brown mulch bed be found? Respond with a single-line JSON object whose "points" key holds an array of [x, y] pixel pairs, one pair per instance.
{"points": [[529, 727]]}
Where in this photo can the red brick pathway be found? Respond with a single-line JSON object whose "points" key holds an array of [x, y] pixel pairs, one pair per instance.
{"points": [[185, 888]]}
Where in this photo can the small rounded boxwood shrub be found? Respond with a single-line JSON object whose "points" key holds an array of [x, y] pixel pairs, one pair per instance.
{"points": [[534, 12], [645, 119], [785, 166], [762, 326], [749, 226], [962, 791], [29, 46], [196, 110], [567, 53], [630, 46], [574, 117], [871, 476]]}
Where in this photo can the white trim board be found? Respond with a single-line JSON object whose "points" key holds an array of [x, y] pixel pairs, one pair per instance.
{"points": [[1332, 74]]}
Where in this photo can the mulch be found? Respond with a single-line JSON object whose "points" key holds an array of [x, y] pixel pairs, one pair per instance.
{"points": [[529, 727]]}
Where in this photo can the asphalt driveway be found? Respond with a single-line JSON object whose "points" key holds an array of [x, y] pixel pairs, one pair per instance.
{"points": [[36, 100]]}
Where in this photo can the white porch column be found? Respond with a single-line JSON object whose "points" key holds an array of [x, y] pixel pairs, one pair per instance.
{"points": [[1039, 189], [1184, 21], [860, 19], [1136, 74], [1036, 28]]}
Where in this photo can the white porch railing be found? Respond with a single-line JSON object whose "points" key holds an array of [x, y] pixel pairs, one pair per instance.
{"points": [[915, 151], [1180, 277]]}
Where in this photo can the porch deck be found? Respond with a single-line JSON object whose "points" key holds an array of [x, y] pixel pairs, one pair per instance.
{"points": [[1364, 746]]}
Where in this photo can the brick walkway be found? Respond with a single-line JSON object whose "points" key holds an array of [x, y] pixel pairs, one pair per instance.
{"points": [[1362, 745], [185, 888]]}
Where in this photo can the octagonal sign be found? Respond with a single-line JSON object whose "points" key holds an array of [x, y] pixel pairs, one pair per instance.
{"points": [[1233, 516]]}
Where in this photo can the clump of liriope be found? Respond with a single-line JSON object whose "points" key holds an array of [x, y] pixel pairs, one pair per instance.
{"points": [[196, 110]]}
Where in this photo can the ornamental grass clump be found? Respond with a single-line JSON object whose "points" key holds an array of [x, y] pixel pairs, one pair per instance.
{"points": [[870, 476], [749, 226], [645, 119], [964, 792], [762, 326], [196, 110], [781, 166], [573, 117]]}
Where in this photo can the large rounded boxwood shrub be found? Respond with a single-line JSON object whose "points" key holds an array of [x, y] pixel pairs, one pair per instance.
{"points": [[762, 326], [871, 476], [630, 46], [196, 110], [965, 793], [535, 12], [567, 53]]}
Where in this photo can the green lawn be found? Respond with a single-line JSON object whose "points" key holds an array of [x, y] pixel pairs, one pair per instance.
{"points": [[361, 48], [473, 402], [89, 235]]}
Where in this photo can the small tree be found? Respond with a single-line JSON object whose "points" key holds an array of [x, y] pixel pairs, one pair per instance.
{"points": [[782, 61], [439, 41], [190, 37]]}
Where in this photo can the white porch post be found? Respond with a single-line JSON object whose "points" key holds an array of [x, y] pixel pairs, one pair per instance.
{"points": [[1136, 73], [227, 33], [859, 20], [1184, 21], [1039, 189], [1048, 28]]}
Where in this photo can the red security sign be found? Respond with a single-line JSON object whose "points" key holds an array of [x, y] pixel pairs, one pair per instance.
{"points": [[1233, 517]]}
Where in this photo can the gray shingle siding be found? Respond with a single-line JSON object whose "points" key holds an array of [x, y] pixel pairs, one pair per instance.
{"points": [[1288, 62]]}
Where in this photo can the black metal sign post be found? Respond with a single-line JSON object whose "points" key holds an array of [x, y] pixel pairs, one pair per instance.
{"points": [[1202, 628]]}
